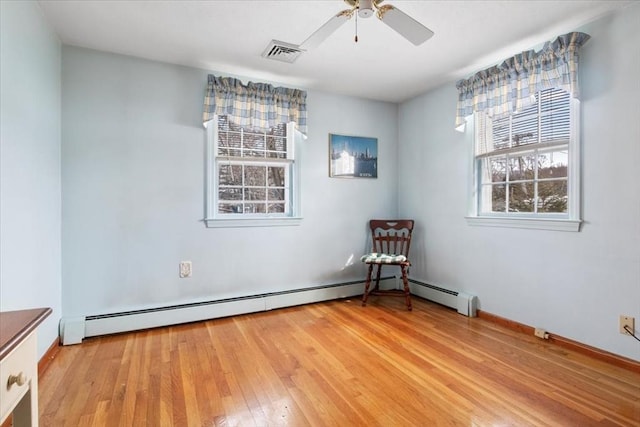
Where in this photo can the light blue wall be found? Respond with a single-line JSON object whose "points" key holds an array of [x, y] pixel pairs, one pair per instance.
{"points": [[572, 284], [30, 205], [133, 183], [133, 192]]}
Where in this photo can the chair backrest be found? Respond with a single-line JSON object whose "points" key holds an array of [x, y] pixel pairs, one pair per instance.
{"points": [[391, 236]]}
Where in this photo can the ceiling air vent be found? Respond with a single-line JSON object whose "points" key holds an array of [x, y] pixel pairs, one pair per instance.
{"points": [[281, 51]]}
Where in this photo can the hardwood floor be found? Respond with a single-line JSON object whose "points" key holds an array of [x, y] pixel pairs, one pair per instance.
{"points": [[335, 364]]}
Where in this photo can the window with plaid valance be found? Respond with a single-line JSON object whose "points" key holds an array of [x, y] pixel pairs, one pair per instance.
{"points": [[256, 106], [511, 86]]}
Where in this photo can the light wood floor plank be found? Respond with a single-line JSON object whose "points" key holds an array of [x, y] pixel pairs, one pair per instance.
{"points": [[335, 364]]}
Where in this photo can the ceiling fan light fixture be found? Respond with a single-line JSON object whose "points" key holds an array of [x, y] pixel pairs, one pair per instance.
{"points": [[365, 8]]}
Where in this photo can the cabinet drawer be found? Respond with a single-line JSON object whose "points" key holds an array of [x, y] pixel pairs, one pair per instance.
{"points": [[21, 361]]}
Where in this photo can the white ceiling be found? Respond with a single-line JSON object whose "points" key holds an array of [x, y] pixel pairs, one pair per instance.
{"points": [[230, 36]]}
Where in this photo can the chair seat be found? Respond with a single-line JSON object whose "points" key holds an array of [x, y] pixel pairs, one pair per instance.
{"points": [[380, 258]]}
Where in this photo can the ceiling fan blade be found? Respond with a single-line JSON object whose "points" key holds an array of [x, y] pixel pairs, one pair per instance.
{"points": [[404, 25], [326, 30]]}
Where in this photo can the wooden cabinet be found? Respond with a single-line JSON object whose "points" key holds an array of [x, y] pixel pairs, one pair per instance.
{"points": [[19, 365]]}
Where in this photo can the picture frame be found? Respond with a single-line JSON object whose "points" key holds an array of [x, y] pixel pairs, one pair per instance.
{"points": [[353, 156]]}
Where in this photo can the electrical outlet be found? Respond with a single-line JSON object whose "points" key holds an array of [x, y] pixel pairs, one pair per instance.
{"points": [[541, 333], [185, 269], [626, 321]]}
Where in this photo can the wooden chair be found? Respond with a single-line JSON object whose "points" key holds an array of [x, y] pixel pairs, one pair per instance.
{"points": [[391, 240]]}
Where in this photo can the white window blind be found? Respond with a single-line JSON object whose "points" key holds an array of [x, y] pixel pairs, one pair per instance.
{"points": [[546, 122]]}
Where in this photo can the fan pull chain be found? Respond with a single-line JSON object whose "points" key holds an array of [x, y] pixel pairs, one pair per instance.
{"points": [[356, 38]]}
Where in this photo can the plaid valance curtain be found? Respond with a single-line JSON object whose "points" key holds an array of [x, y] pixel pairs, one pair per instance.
{"points": [[257, 106], [511, 86]]}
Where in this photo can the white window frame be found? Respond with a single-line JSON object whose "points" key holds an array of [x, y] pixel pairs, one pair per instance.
{"points": [[569, 221], [215, 220]]}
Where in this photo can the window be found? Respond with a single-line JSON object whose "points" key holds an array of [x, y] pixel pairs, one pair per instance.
{"points": [[251, 175], [527, 166]]}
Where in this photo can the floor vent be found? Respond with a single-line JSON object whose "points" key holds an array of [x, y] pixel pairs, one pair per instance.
{"points": [[281, 51]]}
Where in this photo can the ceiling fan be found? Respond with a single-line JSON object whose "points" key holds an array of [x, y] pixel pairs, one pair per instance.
{"points": [[402, 23]]}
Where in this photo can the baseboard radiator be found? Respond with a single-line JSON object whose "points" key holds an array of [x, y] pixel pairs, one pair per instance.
{"points": [[74, 329], [465, 303]]}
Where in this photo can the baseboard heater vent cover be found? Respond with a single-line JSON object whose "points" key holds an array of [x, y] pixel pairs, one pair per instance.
{"points": [[74, 329], [465, 303]]}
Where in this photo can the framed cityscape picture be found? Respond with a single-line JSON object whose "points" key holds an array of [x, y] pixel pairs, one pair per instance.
{"points": [[353, 156]]}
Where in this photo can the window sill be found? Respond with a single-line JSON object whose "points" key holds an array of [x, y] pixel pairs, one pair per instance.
{"points": [[552, 224], [252, 222]]}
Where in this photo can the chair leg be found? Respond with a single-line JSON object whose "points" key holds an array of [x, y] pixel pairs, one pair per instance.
{"points": [[377, 287], [367, 285], [407, 291]]}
